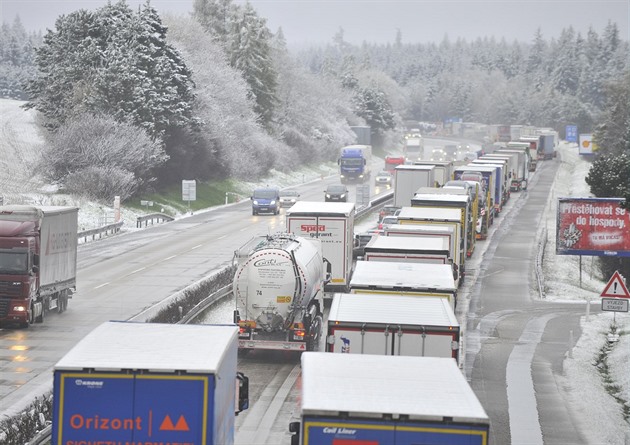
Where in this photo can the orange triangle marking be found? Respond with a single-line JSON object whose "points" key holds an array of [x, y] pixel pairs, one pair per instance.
{"points": [[182, 425], [167, 424]]}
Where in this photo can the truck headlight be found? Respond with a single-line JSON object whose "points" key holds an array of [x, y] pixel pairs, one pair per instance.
{"points": [[19, 308]]}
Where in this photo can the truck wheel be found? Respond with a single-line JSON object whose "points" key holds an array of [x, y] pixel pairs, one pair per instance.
{"points": [[312, 342], [62, 302], [40, 319]]}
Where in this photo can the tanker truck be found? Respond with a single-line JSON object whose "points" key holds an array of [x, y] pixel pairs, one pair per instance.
{"points": [[38, 261], [278, 287]]}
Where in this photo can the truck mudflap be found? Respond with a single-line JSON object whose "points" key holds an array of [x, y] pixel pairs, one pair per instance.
{"points": [[272, 345], [331, 431]]}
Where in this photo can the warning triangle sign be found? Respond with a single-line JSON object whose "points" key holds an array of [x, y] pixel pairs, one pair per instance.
{"points": [[616, 287]]}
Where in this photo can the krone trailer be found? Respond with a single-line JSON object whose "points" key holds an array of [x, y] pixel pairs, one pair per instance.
{"points": [[390, 324], [148, 383], [419, 279], [377, 400], [408, 179], [333, 224], [278, 287], [38, 261]]}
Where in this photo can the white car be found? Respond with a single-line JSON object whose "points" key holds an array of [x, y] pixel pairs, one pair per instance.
{"points": [[288, 198], [383, 178]]}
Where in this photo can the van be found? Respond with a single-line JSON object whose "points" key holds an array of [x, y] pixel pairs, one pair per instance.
{"points": [[266, 200]]}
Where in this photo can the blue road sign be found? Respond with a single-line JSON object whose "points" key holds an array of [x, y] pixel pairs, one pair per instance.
{"points": [[571, 134]]}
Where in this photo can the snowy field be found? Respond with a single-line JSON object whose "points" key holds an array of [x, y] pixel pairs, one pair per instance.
{"points": [[601, 415]]}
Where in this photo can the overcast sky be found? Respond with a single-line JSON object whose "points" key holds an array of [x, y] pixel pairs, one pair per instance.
{"points": [[316, 21]]}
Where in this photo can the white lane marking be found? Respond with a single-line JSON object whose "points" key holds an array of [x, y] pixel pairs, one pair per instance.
{"points": [[136, 271], [168, 258], [222, 237], [101, 285], [260, 417], [196, 247], [522, 408]]}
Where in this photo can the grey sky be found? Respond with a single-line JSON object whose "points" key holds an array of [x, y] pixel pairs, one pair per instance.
{"points": [[316, 21]]}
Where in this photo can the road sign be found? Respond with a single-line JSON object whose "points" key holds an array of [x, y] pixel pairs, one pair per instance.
{"points": [[616, 287], [614, 305], [571, 133]]}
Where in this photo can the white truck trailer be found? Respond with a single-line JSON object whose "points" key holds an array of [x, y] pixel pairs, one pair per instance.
{"points": [[372, 399], [408, 179], [442, 216], [390, 324], [333, 224], [278, 287], [419, 279]]}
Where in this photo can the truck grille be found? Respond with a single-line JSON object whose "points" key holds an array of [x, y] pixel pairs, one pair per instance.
{"points": [[8, 289], [4, 307]]}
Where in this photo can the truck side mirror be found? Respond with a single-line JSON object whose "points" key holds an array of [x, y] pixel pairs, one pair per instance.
{"points": [[294, 427], [242, 392]]}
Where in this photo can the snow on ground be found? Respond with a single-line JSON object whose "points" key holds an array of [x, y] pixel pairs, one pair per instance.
{"points": [[601, 415]]}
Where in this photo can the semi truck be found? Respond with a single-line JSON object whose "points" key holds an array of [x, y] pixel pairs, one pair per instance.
{"points": [[548, 142], [408, 179], [278, 287], [443, 170], [363, 134], [373, 399], [502, 175], [413, 148], [390, 324], [442, 216], [451, 198], [129, 382], [355, 162], [38, 261], [442, 231], [414, 249], [417, 279], [521, 176], [533, 142], [392, 161], [333, 224]]}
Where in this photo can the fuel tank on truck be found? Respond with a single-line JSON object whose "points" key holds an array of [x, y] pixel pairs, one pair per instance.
{"points": [[277, 274]]}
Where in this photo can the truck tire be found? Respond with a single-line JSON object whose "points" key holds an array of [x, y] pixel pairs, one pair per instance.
{"points": [[62, 302], [40, 318], [314, 333]]}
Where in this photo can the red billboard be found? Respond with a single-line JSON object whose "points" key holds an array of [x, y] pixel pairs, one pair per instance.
{"points": [[592, 226]]}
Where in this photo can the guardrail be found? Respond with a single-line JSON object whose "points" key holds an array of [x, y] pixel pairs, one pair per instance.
{"points": [[159, 217], [99, 232]]}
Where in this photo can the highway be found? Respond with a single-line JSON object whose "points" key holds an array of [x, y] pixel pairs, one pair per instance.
{"points": [[505, 332]]}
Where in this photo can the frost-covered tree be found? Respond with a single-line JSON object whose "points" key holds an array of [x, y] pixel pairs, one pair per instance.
{"points": [[112, 61], [250, 52], [218, 17], [233, 140], [97, 146]]}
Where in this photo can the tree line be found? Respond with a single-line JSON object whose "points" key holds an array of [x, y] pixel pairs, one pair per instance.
{"points": [[134, 101]]}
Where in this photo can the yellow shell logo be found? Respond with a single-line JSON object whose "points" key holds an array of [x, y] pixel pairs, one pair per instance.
{"points": [[586, 143]]}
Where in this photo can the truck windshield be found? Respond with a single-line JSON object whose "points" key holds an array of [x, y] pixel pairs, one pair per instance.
{"points": [[352, 162], [265, 194], [16, 263]]}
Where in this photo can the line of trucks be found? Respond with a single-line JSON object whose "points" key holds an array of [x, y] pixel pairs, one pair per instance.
{"points": [[391, 311]]}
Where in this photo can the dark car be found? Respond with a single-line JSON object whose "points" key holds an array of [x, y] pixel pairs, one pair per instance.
{"points": [[336, 193], [360, 241]]}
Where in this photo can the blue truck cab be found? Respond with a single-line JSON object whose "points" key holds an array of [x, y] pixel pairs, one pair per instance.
{"points": [[266, 200], [354, 163]]}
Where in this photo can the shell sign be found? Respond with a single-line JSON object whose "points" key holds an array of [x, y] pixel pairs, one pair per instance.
{"points": [[586, 144]]}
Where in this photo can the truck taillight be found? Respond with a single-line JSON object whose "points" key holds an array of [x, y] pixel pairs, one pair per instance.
{"points": [[298, 331]]}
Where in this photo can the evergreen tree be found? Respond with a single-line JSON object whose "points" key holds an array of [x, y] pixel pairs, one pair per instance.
{"points": [[116, 62], [250, 53]]}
